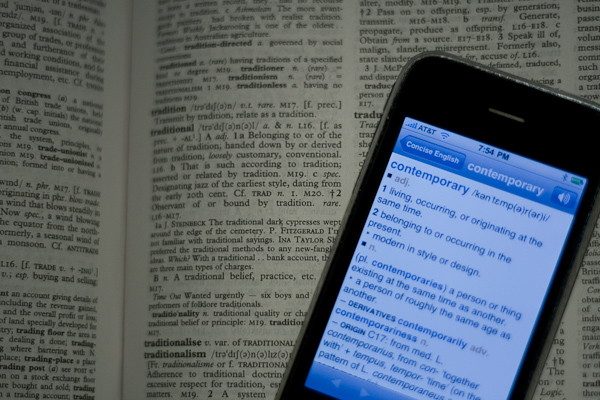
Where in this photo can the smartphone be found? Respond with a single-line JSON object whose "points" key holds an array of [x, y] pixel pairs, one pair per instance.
{"points": [[460, 245]]}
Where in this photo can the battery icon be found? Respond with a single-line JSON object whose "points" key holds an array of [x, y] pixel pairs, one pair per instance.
{"points": [[576, 181]]}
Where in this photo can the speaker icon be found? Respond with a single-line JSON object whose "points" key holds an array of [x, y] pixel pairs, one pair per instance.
{"points": [[564, 197]]}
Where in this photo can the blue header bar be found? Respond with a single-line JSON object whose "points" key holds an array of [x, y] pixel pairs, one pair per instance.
{"points": [[490, 165]]}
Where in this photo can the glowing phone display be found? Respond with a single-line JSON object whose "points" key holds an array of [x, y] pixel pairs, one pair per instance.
{"points": [[450, 272]]}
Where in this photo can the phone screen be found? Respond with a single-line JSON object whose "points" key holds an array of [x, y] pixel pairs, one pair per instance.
{"points": [[449, 274]]}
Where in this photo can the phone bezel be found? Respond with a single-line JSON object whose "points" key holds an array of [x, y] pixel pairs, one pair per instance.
{"points": [[456, 95]]}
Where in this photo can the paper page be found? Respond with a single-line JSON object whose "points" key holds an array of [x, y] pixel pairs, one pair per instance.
{"points": [[249, 126], [63, 110]]}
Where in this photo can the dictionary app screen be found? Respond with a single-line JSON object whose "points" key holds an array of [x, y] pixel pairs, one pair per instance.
{"points": [[450, 272]]}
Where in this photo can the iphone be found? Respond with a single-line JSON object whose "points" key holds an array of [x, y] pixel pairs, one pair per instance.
{"points": [[460, 245]]}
